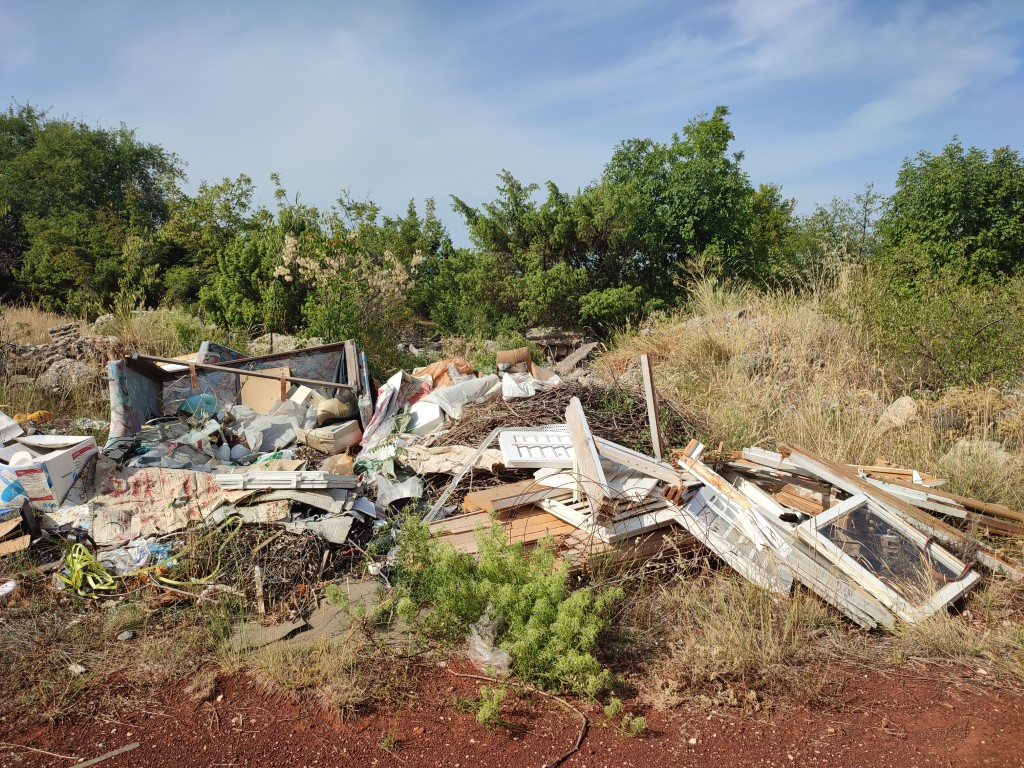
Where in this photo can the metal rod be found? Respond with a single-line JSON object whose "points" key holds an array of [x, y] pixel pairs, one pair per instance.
{"points": [[255, 374]]}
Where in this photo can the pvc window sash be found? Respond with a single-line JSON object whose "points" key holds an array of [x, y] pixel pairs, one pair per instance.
{"points": [[888, 596], [836, 588]]}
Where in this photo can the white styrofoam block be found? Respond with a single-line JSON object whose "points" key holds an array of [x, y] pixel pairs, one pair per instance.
{"points": [[426, 417]]}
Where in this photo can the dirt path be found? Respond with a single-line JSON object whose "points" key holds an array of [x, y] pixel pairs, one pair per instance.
{"points": [[877, 721]]}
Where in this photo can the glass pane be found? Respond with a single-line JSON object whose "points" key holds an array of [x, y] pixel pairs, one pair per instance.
{"points": [[884, 551]]}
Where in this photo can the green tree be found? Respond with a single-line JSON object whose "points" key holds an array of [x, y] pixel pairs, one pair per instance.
{"points": [[71, 196], [530, 264], [961, 210], [681, 205], [771, 258], [199, 229]]}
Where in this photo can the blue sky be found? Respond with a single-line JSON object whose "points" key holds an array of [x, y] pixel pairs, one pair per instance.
{"points": [[399, 100]]}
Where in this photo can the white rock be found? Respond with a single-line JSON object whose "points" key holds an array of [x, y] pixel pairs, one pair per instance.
{"points": [[900, 413]]}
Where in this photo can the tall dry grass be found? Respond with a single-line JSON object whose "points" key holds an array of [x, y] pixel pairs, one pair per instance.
{"points": [[774, 368], [167, 332], [28, 325], [162, 332]]}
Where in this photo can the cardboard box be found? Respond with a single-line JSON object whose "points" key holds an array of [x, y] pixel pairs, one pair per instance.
{"points": [[332, 439], [46, 481], [335, 410], [307, 396]]}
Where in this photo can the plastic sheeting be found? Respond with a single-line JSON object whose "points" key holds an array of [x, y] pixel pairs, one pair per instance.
{"points": [[454, 398]]}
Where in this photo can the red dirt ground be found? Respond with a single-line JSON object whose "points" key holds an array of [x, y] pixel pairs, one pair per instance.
{"points": [[876, 721]]}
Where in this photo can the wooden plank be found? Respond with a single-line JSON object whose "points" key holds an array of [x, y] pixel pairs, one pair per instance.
{"points": [[993, 510], [499, 497], [800, 504], [772, 460], [532, 525], [652, 406], [585, 553], [521, 519], [468, 521], [9, 525], [588, 462], [663, 471], [15, 545], [352, 364]]}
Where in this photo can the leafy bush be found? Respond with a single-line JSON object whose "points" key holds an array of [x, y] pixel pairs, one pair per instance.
{"points": [[549, 631], [939, 330], [612, 307]]}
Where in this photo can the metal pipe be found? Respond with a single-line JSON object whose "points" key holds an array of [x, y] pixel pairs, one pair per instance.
{"points": [[255, 374]]}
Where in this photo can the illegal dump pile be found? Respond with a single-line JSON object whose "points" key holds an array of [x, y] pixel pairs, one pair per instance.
{"points": [[299, 455]]}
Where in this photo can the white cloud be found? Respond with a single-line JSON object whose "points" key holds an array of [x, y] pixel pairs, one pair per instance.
{"points": [[390, 102]]}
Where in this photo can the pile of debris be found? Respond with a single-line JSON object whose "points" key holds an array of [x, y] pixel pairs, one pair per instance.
{"points": [[304, 441], [69, 354]]}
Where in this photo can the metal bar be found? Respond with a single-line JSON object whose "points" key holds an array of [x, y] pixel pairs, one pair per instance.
{"points": [[255, 374], [284, 355]]}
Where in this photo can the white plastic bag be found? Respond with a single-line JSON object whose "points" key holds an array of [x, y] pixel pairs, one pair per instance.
{"points": [[483, 649], [389, 491]]}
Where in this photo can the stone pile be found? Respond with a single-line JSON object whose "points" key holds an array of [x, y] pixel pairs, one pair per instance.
{"points": [[69, 358]]}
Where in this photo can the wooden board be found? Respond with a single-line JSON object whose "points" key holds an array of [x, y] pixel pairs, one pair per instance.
{"points": [[585, 553], [263, 394], [352, 364], [652, 406], [588, 462], [993, 510], [499, 497], [527, 524], [9, 525], [15, 545]]}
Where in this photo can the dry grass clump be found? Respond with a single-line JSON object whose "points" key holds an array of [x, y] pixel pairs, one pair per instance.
{"points": [[986, 638], [725, 642], [716, 640], [90, 400], [752, 363], [28, 325], [165, 332], [344, 675]]}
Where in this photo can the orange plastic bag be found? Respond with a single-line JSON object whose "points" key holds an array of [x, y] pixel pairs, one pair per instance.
{"points": [[438, 371]]}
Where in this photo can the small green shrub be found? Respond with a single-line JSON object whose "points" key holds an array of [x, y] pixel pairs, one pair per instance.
{"points": [[624, 722], [488, 713], [550, 632]]}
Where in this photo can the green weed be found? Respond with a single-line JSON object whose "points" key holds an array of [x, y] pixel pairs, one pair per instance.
{"points": [[550, 631]]}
